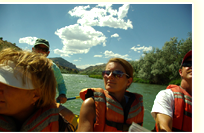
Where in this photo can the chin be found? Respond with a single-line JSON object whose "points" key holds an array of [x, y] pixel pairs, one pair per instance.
{"points": [[109, 88]]}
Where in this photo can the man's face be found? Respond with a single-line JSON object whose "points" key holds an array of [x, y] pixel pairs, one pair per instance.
{"points": [[186, 71], [40, 48]]}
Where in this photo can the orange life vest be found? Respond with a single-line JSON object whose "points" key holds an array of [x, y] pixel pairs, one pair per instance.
{"points": [[110, 115], [182, 118], [44, 120]]}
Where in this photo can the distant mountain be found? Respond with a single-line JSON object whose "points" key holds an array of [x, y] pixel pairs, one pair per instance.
{"points": [[62, 62], [93, 70]]}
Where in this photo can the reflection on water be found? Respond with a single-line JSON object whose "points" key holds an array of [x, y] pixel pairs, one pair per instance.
{"points": [[75, 83]]}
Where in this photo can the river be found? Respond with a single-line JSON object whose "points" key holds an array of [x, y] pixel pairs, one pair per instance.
{"points": [[75, 83]]}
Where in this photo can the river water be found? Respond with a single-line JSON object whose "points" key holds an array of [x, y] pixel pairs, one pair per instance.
{"points": [[74, 83]]}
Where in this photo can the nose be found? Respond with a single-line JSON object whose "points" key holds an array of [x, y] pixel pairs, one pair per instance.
{"points": [[1, 88], [1, 91], [111, 76]]}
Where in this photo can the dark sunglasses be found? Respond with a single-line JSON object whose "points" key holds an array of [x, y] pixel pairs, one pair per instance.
{"points": [[40, 48], [116, 73], [187, 64]]}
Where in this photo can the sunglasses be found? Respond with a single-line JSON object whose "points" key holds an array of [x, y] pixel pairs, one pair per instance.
{"points": [[187, 64], [42, 49], [116, 73]]}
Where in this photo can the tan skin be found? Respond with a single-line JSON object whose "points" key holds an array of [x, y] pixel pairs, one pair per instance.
{"points": [[17, 103], [164, 122], [115, 87]]}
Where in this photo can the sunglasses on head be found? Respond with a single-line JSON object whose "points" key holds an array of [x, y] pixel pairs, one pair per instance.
{"points": [[116, 73], [40, 48], [187, 64]]}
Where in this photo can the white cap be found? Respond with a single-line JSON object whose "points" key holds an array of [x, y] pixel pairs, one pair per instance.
{"points": [[13, 76]]}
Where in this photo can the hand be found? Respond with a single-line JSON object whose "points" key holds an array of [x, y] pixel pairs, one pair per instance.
{"points": [[62, 98]]}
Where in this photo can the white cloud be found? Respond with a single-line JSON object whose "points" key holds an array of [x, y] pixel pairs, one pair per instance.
{"points": [[142, 48], [29, 40], [76, 60], [115, 35], [110, 54], [78, 39], [102, 15], [123, 11], [98, 55], [138, 45]]}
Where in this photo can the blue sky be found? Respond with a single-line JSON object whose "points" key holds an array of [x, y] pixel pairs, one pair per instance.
{"points": [[90, 34]]}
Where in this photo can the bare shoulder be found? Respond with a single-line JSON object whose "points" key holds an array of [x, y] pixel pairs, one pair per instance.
{"points": [[88, 107], [87, 116]]}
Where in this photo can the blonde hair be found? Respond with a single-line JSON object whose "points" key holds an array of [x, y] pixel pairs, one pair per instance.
{"points": [[39, 67]]}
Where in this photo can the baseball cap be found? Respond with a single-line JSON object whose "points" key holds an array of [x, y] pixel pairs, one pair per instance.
{"points": [[42, 41], [189, 54], [12, 75]]}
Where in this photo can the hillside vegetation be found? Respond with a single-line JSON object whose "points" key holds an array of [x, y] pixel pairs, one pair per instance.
{"points": [[5, 44]]}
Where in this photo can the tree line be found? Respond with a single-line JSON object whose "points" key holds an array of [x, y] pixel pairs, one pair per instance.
{"points": [[160, 66]]}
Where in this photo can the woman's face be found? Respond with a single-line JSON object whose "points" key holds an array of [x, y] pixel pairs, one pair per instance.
{"points": [[14, 101], [116, 84]]}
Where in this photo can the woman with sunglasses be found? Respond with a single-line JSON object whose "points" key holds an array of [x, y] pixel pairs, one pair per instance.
{"points": [[113, 109]]}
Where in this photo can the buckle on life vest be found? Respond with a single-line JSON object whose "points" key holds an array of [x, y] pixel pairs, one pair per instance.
{"points": [[125, 127]]}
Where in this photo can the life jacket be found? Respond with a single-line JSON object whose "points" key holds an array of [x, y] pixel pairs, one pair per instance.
{"points": [[110, 115], [182, 117], [44, 120]]}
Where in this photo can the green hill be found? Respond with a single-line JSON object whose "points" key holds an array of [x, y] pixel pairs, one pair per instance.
{"points": [[62, 62], [5, 44]]}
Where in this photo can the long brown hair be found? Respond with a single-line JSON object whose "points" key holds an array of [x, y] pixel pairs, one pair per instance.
{"points": [[39, 67]]}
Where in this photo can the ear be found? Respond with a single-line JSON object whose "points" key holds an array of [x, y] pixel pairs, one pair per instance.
{"points": [[33, 49], [36, 96], [129, 82], [180, 72], [48, 53]]}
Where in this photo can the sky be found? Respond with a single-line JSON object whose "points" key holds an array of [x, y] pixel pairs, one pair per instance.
{"points": [[91, 34]]}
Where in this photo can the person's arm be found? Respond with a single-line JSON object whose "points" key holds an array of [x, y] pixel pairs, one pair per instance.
{"points": [[162, 110], [164, 122], [60, 84], [87, 116]]}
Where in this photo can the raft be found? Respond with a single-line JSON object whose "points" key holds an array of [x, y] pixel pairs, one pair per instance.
{"points": [[75, 122]]}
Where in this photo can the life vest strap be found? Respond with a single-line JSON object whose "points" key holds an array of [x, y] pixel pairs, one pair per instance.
{"points": [[118, 126]]}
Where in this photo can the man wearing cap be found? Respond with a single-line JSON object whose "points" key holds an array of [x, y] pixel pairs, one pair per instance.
{"points": [[42, 46], [172, 109]]}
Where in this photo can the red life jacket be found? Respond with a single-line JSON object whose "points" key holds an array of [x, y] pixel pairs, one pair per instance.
{"points": [[44, 120], [110, 115], [182, 117]]}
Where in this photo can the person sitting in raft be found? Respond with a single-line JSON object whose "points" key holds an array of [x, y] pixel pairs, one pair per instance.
{"points": [[27, 93], [113, 109], [172, 108]]}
